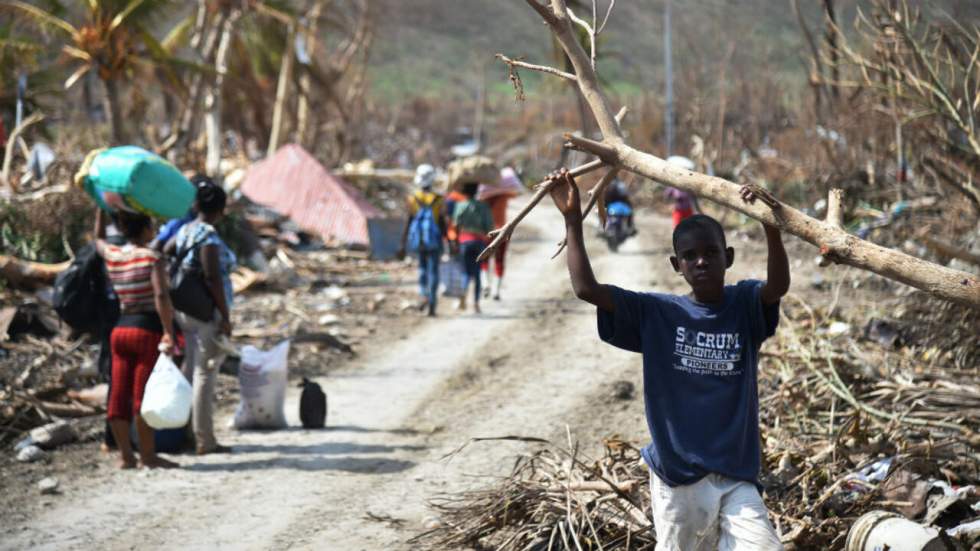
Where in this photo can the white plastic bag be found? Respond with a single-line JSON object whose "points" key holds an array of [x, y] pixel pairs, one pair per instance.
{"points": [[168, 396], [262, 376]]}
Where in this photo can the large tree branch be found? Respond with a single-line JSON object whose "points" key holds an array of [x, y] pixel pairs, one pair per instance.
{"points": [[561, 25], [833, 242]]}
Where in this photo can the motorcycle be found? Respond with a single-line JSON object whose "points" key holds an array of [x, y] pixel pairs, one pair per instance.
{"points": [[617, 224]]}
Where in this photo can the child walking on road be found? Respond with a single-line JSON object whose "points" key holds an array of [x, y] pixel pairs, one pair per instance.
{"points": [[473, 222], [700, 359]]}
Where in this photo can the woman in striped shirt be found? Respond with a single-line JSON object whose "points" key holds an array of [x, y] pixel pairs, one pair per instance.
{"points": [[145, 328]]}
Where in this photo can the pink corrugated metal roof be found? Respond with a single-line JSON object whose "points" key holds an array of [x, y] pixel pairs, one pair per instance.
{"points": [[295, 184]]}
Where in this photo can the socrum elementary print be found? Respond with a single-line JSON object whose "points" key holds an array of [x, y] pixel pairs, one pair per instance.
{"points": [[702, 353]]}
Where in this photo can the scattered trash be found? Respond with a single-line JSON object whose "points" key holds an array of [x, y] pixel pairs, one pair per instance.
{"points": [[328, 319], [880, 530], [838, 328], [908, 489], [336, 296], [52, 435], [48, 486], [967, 530], [882, 332], [30, 454], [947, 511], [873, 473]]}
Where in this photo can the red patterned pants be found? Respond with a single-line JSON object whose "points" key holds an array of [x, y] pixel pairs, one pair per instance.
{"points": [[134, 353]]}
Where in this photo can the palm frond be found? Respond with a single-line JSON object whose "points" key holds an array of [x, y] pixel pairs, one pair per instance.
{"points": [[39, 16], [178, 35], [77, 53], [126, 12], [79, 73], [19, 46]]}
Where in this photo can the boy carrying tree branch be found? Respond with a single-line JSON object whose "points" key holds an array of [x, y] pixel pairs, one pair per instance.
{"points": [[700, 361]]}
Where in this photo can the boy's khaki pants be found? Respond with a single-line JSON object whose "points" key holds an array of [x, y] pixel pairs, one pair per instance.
{"points": [[713, 513]]}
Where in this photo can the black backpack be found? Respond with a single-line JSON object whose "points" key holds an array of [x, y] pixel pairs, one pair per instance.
{"points": [[312, 405], [83, 297]]}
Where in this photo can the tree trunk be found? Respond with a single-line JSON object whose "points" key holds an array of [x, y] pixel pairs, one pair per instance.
{"points": [[832, 43], [833, 241], [816, 80], [279, 109], [116, 131], [212, 103], [303, 113], [187, 126]]}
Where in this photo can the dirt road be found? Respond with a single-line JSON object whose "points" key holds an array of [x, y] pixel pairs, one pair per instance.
{"points": [[528, 366]]}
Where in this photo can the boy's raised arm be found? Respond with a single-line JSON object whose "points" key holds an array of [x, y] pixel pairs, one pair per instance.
{"points": [[777, 277], [566, 197]]}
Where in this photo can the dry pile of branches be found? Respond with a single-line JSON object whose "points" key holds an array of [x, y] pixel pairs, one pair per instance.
{"points": [[832, 402], [835, 400], [553, 499]]}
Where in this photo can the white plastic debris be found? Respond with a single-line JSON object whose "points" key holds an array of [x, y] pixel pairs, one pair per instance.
{"points": [[30, 454], [48, 485]]}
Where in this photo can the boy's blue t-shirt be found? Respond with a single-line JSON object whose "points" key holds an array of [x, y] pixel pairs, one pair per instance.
{"points": [[699, 377]]}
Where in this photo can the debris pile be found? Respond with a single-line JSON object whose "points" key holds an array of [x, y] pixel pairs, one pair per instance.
{"points": [[553, 499], [325, 301], [852, 422]]}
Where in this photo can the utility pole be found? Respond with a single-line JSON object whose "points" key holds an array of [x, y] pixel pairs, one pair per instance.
{"points": [[669, 92]]}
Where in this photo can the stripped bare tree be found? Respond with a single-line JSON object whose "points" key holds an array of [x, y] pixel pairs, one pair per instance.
{"points": [[927, 77], [613, 152]]}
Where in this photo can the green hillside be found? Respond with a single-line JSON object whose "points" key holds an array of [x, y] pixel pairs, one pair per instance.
{"points": [[438, 47]]}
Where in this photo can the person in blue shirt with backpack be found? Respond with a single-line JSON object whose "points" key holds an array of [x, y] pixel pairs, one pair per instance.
{"points": [[700, 361], [424, 232]]}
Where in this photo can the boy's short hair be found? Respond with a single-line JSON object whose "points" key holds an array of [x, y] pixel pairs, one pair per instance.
{"points": [[699, 222]]}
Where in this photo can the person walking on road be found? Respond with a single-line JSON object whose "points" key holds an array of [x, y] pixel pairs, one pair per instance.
{"points": [[473, 222], [497, 198], [424, 232]]}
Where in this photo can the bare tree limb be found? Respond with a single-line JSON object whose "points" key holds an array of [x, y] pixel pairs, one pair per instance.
{"points": [[609, 9], [588, 30], [539, 68], [835, 208], [595, 195], [8, 154], [503, 234], [948, 249], [580, 143]]}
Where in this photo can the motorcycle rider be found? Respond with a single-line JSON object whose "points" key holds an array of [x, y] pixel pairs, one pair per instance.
{"points": [[616, 192]]}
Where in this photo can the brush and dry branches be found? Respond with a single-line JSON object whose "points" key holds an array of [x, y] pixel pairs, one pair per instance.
{"points": [[831, 404], [926, 76], [552, 499]]}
